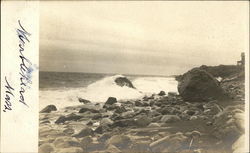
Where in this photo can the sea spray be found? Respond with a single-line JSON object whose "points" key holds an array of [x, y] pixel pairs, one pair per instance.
{"points": [[100, 90]]}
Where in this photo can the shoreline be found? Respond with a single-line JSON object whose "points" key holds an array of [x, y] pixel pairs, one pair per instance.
{"points": [[156, 123]]}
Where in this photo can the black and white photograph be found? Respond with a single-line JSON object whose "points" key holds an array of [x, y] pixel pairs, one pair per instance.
{"points": [[142, 76]]}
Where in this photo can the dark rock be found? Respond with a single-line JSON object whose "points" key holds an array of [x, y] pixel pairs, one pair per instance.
{"points": [[110, 107], [162, 93], [146, 98], [123, 123], [97, 116], [123, 81], [198, 85], [120, 109], [70, 117], [81, 100], [200, 106], [89, 108], [111, 101], [90, 123], [61, 119], [190, 112], [107, 114], [49, 109], [116, 116], [158, 103], [168, 110], [222, 70], [84, 132], [151, 103], [138, 103], [102, 129], [145, 104], [73, 117]]}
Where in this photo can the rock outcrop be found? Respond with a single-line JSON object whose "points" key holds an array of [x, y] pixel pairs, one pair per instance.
{"points": [[49, 109], [111, 101], [198, 85], [85, 101], [123, 81], [162, 93]]}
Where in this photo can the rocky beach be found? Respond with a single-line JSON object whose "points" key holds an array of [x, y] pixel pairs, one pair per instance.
{"points": [[206, 116]]}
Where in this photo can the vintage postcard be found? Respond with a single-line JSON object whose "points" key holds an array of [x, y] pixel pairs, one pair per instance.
{"points": [[124, 76]]}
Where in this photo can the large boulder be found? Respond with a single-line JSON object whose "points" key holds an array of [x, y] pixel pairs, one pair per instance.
{"points": [[199, 85], [49, 109], [123, 81]]}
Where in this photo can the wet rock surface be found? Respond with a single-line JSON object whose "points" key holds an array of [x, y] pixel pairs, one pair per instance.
{"points": [[123, 81], [49, 109]]}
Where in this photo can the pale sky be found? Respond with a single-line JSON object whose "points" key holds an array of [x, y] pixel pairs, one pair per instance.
{"points": [[141, 37]]}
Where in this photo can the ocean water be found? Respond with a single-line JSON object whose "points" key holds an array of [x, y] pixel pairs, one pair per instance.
{"points": [[63, 89]]}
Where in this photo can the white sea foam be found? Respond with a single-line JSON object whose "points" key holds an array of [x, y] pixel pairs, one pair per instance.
{"points": [[99, 91]]}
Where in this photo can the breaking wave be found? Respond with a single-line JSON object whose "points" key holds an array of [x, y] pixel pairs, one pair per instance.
{"points": [[100, 90]]}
